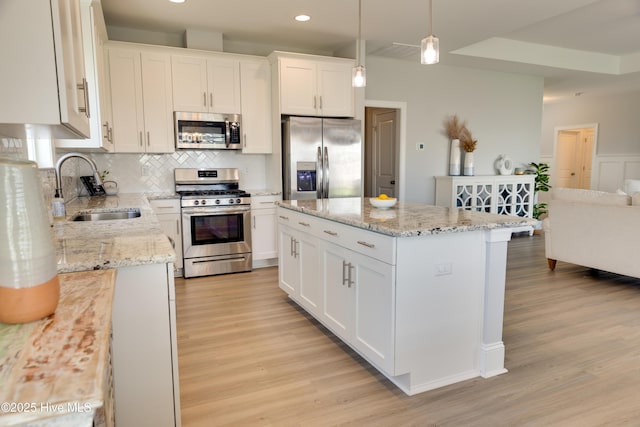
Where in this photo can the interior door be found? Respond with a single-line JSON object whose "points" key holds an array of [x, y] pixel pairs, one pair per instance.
{"points": [[565, 159], [380, 152]]}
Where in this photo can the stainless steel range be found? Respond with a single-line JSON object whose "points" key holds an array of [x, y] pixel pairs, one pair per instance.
{"points": [[216, 221]]}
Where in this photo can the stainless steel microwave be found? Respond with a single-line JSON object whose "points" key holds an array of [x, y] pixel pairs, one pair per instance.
{"points": [[208, 131]]}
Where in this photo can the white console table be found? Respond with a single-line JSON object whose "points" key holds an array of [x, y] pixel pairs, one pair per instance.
{"points": [[500, 194]]}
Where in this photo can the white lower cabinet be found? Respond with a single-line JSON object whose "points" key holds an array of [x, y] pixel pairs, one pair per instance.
{"points": [[168, 213], [300, 267], [351, 293], [264, 236]]}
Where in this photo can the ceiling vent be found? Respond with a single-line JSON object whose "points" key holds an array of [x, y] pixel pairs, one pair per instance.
{"points": [[397, 50]]}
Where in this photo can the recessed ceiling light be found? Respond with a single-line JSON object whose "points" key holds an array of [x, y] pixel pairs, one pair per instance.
{"points": [[177, 1], [303, 18]]}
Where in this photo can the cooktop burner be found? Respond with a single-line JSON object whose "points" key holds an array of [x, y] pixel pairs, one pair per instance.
{"points": [[214, 193]]}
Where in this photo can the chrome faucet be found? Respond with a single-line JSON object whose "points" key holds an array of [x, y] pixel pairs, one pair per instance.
{"points": [[61, 160]]}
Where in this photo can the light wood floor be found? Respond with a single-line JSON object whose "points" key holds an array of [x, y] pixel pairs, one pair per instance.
{"points": [[250, 357]]}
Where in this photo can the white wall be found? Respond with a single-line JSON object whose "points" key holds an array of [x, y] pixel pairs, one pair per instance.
{"points": [[618, 140], [502, 110], [615, 114]]}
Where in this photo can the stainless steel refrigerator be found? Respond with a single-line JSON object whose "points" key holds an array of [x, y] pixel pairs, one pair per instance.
{"points": [[322, 158]]}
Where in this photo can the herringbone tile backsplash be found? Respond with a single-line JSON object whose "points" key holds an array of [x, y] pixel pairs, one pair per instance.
{"points": [[154, 172]]}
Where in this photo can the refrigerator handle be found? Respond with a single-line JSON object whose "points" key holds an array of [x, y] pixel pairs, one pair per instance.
{"points": [[319, 175], [326, 173]]}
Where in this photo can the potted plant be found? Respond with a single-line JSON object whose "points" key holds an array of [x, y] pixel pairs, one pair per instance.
{"points": [[541, 183]]}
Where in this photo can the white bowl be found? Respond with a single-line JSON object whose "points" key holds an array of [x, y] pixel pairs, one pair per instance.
{"points": [[383, 203]]}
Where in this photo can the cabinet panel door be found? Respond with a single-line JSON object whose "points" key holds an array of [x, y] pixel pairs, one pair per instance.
{"points": [[223, 80], [157, 102], [298, 87], [126, 100], [74, 108], [170, 225], [189, 81], [374, 306], [289, 271], [338, 295], [263, 234], [310, 283], [336, 96], [255, 78]]}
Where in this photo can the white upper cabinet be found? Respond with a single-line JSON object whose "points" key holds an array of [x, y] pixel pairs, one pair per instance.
{"points": [[316, 86], [202, 84], [255, 79], [42, 78], [94, 34], [141, 100]]}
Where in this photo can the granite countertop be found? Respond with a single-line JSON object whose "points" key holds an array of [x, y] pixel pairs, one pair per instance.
{"points": [[53, 370], [263, 192], [404, 219], [96, 245]]}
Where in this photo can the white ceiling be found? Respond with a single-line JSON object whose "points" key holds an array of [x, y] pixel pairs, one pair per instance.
{"points": [[579, 46]]}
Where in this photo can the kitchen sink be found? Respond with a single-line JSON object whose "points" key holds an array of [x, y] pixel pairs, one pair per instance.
{"points": [[106, 215]]}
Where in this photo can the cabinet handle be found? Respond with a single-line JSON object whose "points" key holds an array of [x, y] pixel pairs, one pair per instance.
{"points": [[345, 278], [211, 99], [148, 139], [177, 227], [163, 207], [304, 224], [244, 143], [369, 245], [173, 242], [204, 97], [320, 102], [286, 218], [268, 203], [296, 244], [331, 233], [85, 94], [350, 281], [314, 102], [254, 222], [141, 143]]}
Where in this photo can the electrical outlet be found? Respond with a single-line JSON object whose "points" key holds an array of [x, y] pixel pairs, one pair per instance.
{"points": [[420, 146], [443, 269]]}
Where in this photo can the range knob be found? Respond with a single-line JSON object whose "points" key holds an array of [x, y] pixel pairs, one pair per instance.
{"points": [[238, 201], [204, 202], [230, 201], [217, 201], [197, 202]]}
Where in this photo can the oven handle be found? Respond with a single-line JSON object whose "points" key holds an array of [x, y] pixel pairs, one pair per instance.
{"points": [[218, 210]]}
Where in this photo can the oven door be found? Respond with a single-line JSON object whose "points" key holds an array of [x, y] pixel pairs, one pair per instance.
{"points": [[209, 231]]}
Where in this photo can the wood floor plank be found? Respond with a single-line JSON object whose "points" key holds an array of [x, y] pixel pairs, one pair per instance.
{"points": [[248, 356]]}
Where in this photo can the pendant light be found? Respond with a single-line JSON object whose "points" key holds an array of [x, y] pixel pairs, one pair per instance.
{"points": [[430, 46], [359, 75]]}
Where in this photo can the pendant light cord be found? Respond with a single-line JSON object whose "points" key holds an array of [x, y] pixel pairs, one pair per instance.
{"points": [[430, 17], [359, 32]]}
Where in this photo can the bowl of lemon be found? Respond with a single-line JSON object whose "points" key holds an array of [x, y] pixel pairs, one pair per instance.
{"points": [[383, 201]]}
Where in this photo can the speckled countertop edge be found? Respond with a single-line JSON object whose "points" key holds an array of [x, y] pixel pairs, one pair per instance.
{"points": [[97, 245], [56, 365], [405, 219]]}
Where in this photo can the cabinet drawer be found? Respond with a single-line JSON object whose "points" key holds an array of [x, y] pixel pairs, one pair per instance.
{"points": [[298, 221], [265, 202], [165, 206], [369, 243]]}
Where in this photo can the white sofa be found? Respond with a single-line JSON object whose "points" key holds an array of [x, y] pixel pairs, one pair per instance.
{"points": [[594, 229]]}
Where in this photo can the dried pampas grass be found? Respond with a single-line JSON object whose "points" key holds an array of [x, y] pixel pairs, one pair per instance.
{"points": [[454, 127]]}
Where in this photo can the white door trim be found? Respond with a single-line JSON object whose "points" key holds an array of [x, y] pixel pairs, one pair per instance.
{"points": [[402, 108]]}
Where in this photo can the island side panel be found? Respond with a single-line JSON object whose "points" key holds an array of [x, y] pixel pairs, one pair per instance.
{"points": [[439, 314], [492, 356]]}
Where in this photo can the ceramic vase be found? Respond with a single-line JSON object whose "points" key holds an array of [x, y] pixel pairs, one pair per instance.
{"points": [[454, 158], [29, 287], [468, 164]]}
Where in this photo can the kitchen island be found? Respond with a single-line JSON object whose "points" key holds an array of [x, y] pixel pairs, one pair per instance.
{"points": [[417, 290], [144, 346]]}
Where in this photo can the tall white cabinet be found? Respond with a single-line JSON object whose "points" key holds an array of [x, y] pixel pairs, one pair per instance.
{"points": [[42, 78], [141, 100]]}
